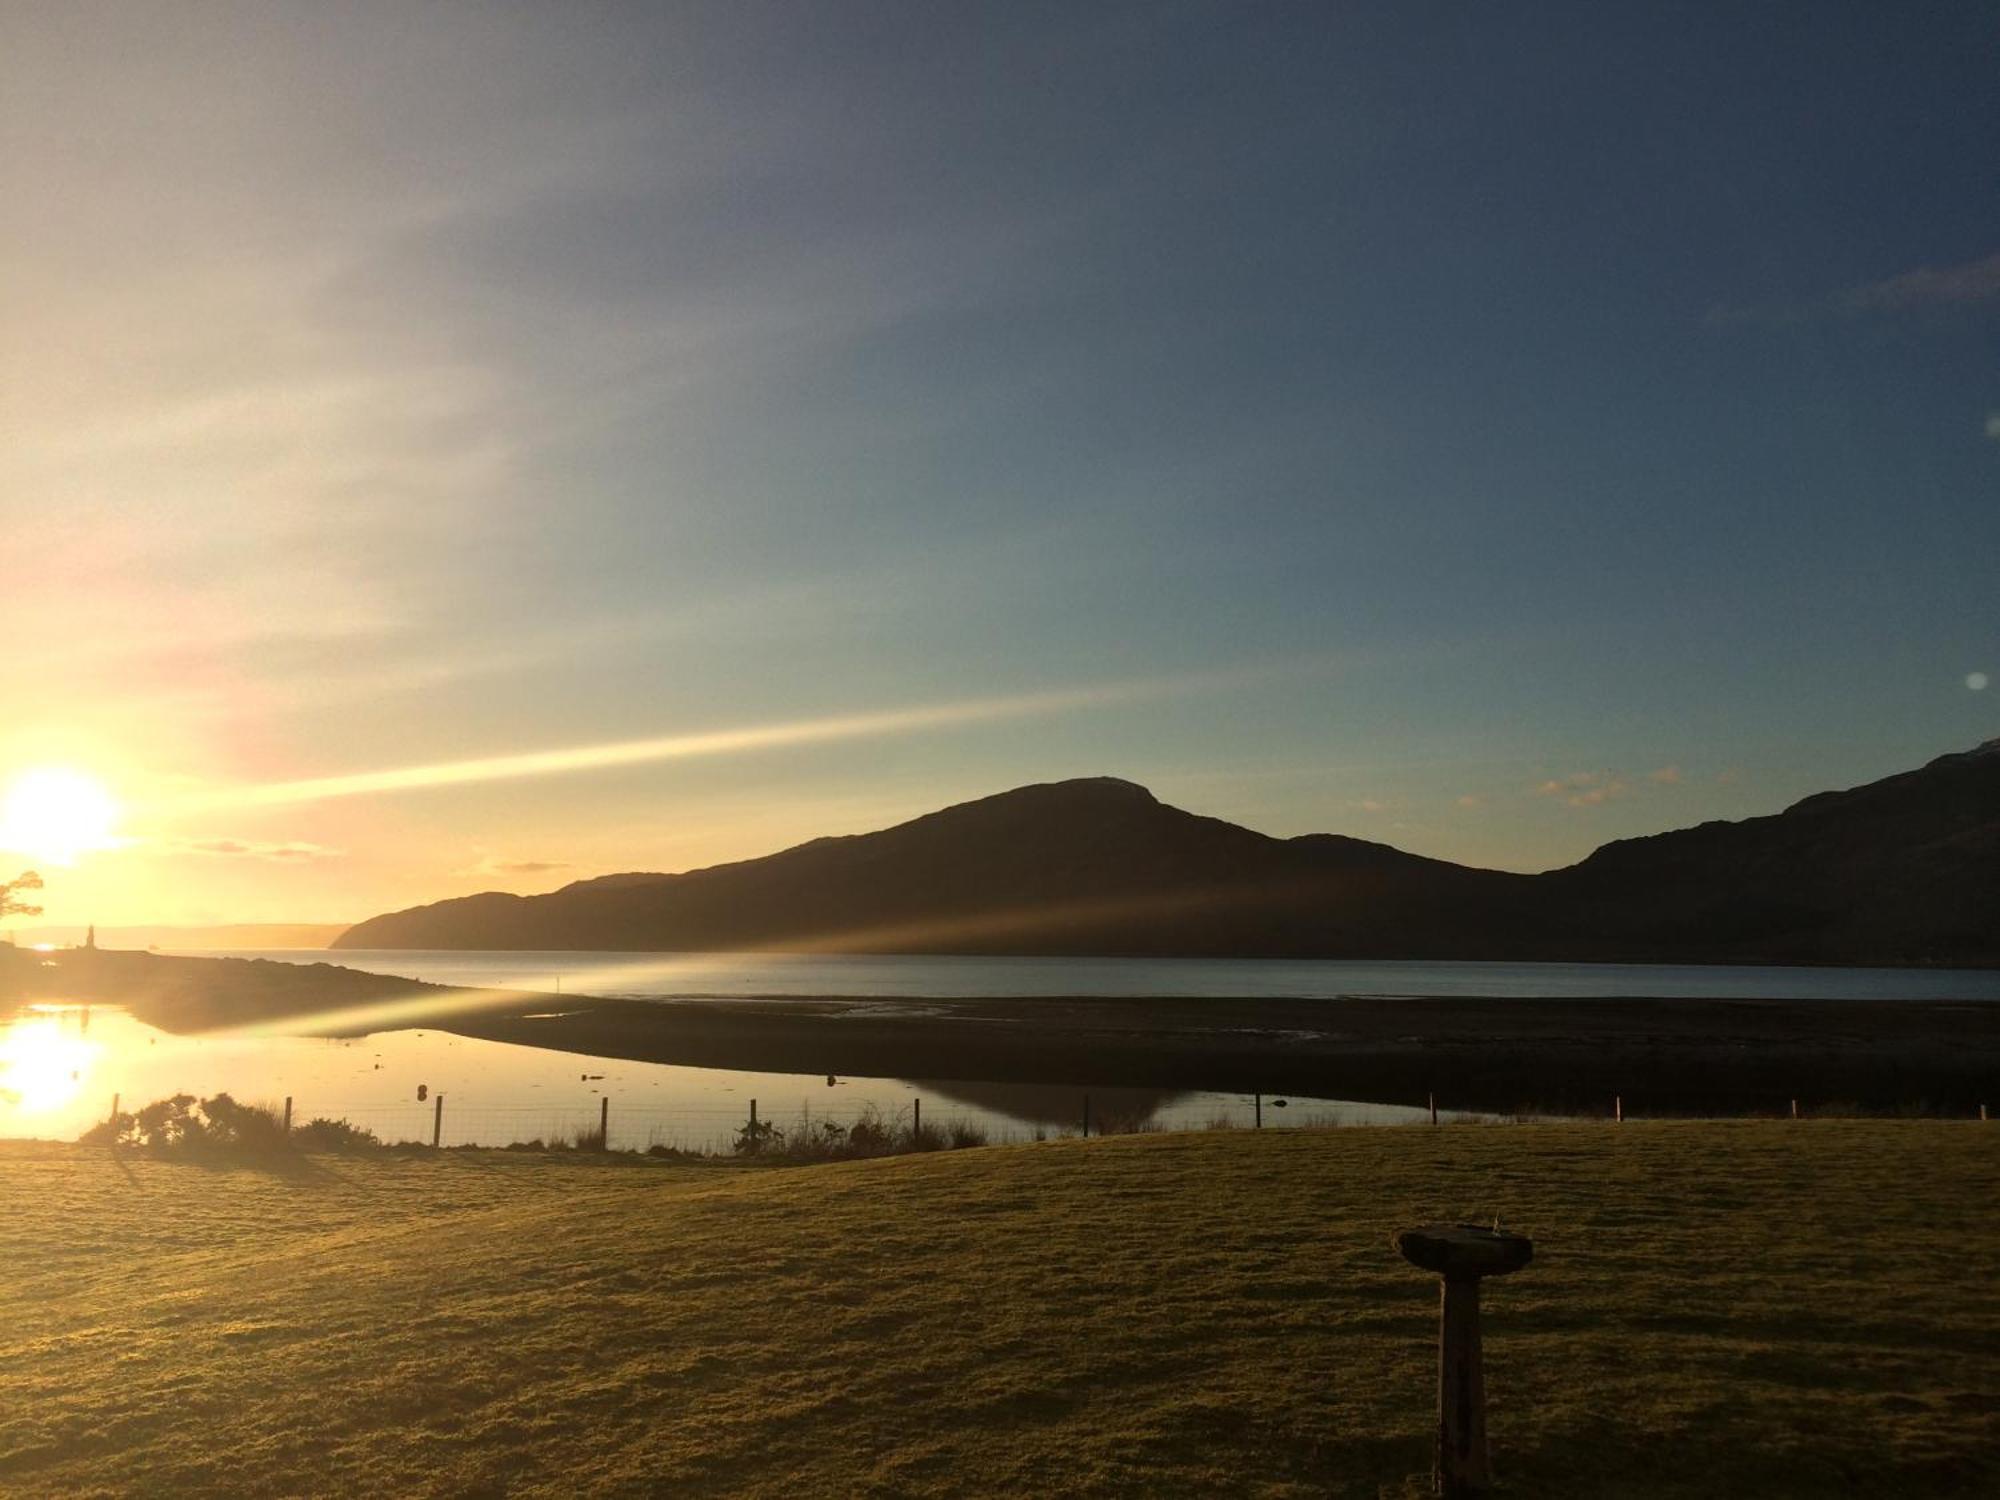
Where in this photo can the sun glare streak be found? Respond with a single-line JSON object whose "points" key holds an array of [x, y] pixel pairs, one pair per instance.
{"points": [[678, 746], [440, 1006]]}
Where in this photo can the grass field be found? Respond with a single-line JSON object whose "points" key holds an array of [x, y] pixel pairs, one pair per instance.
{"points": [[1759, 1308]]}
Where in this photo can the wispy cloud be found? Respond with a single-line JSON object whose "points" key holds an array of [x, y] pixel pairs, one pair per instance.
{"points": [[1993, 425], [1665, 776], [286, 852], [1586, 788], [493, 864], [1974, 281], [1971, 285]]}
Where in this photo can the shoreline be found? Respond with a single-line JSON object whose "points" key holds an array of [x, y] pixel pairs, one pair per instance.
{"points": [[1570, 1055]]}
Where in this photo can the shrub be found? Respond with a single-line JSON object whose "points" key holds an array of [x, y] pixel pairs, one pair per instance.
{"points": [[242, 1127], [180, 1123], [870, 1134], [334, 1135], [754, 1137], [964, 1133]]}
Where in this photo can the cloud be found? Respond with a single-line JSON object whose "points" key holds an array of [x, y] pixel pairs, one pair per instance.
{"points": [[1586, 788], [1973, 282], [1970, 285], [494, 865], [1468, 800], [1993, 425], [290, 852], [1665, 776]]}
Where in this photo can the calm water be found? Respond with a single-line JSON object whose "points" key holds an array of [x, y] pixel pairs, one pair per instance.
{"points": [[744, 975], [60, 1065]]}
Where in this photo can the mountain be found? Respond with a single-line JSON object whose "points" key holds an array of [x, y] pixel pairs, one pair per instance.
{"points": [[1902, 870]]}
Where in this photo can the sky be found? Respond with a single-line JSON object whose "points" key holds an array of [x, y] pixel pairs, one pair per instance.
{"points": [[1489, 430]]}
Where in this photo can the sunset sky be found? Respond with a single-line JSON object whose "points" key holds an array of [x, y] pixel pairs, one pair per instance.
{"points": [[1491, 430]]}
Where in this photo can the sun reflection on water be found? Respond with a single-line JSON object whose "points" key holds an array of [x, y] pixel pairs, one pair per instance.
{"points": [[45, 1060]]}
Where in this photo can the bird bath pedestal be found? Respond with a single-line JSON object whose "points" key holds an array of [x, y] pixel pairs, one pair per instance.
{"points": [[1463, 1254]]}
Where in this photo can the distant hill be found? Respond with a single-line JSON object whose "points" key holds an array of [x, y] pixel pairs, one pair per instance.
{"points": [[1903, 870], [196, 939]]}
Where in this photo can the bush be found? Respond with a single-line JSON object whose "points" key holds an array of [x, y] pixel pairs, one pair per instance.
{"points": [[755, 1137], [180, 1123], [870, 1134], [334, 1135], [242, 1127]]}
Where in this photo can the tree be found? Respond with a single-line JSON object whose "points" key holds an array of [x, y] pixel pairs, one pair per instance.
{"points": [[11, 905]]}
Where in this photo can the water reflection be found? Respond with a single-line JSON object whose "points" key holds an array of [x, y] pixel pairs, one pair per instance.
{"points": [[45, 1056], [62, 1065], [1055, 1104]]}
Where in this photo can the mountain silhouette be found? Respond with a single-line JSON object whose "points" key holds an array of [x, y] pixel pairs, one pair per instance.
{"points": [[1903, 870]]}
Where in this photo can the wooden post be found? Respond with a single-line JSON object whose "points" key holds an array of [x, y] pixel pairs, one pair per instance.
{"points": [[1461, 1254], [1795, 1109], [1982, 1111], [1260, 1110], [916, 1121], [288, 1114], [1434, 1107], [753, 1125], [1462, 1464], [604, 1123], [1618, 1108], [437, 1123], [1086, 1117]]}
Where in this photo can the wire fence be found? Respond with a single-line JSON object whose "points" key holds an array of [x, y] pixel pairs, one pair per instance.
{"points": [[609, 1124], [714, 1126]]}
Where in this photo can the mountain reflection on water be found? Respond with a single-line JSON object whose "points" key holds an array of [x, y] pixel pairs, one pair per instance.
{"points": [[1058, 1104]]}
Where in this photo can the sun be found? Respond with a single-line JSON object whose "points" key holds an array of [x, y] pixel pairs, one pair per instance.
{"points": [[53, 814]]}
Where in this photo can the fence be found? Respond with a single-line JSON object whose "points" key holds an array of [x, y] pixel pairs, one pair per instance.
{"points": [[602, 1123]]}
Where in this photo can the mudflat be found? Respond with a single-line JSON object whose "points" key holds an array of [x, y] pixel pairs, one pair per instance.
{"points": [[1660, 1055]]}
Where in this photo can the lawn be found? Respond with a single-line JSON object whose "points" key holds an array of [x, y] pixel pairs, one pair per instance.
{"points": [[1767, 1308]]}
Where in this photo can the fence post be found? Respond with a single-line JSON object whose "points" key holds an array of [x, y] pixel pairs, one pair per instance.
{"points": [[288, 1114], [604, 1123], [437, 1123], [1618, 1108], [115, 1098], [1795, 1109], [1086, 1117], [916, 1121], [1434, 1107], [1982, 1111], [1260, 1109], [753, 1125]]}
